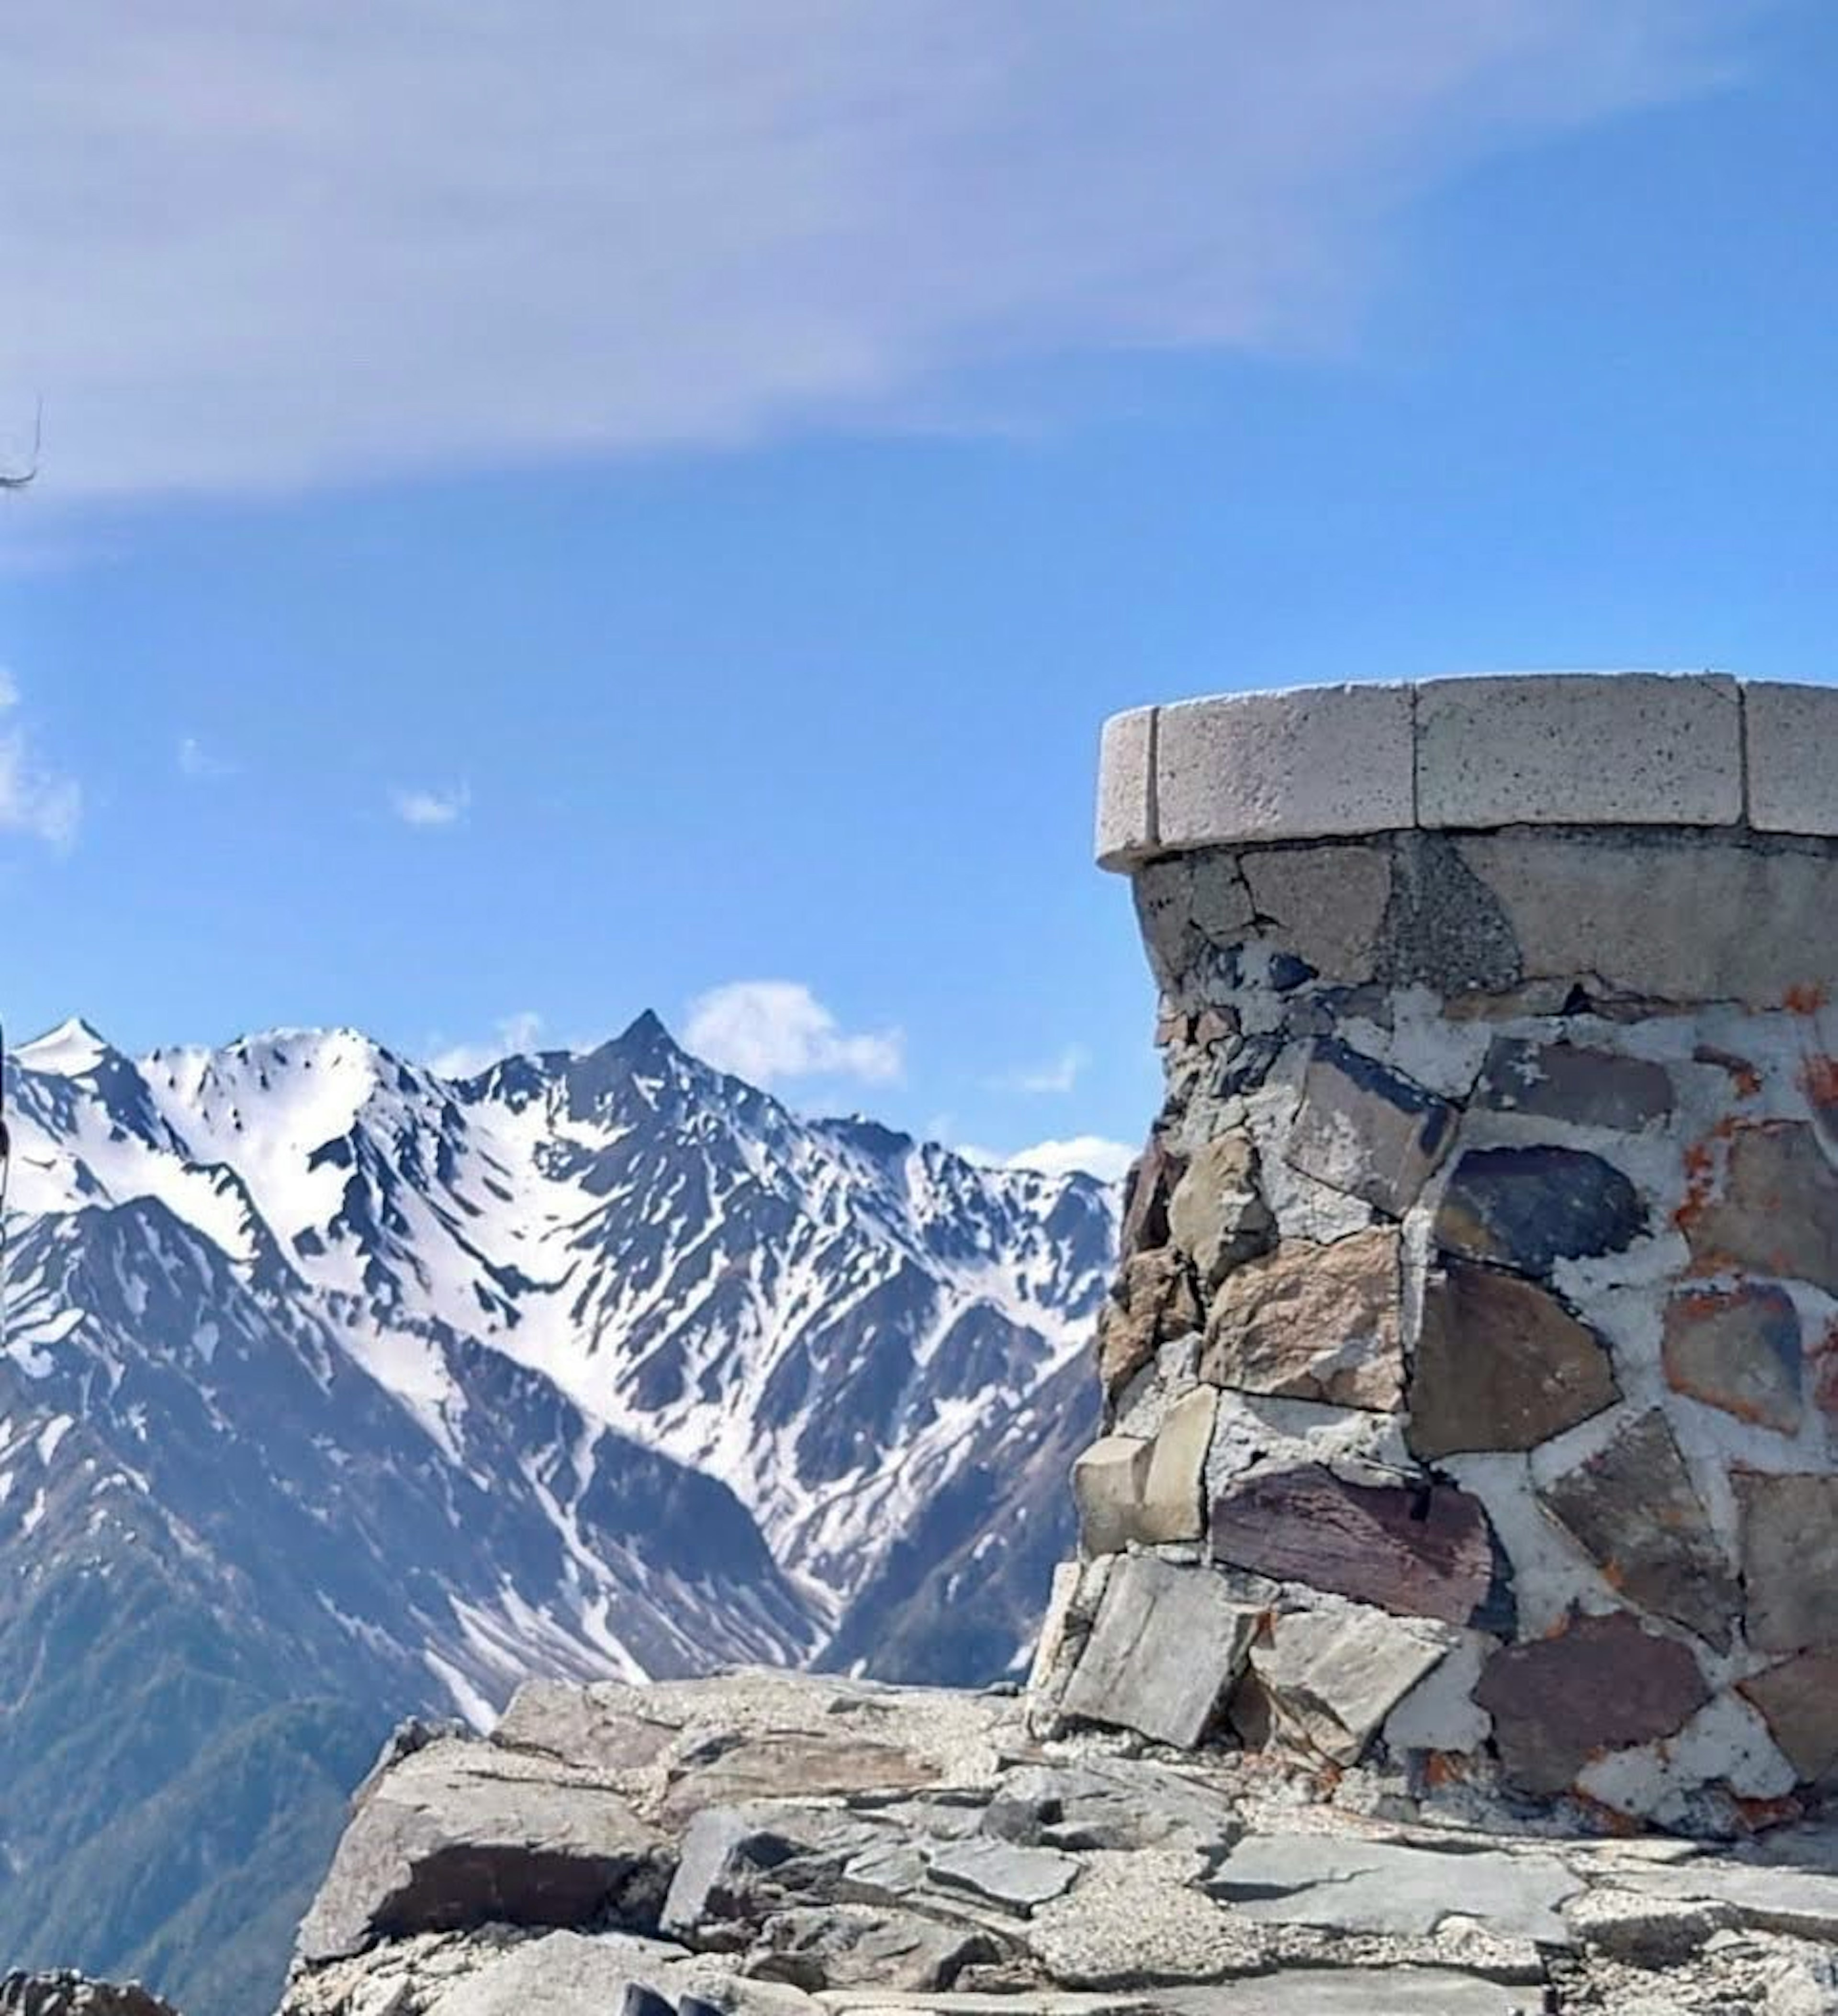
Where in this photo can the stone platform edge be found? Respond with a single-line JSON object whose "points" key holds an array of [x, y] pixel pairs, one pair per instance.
{"points": [[1632, 748]]}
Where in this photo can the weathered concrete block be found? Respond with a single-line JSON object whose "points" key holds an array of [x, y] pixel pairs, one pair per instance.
{"points": [[1297, 765], [1737, 1348], [1575, 748], [1312, 1323], [1600, 1682], [1367, 1130], [1125, 789], [1500, 1364], [1167, 1645], [1634, 1511], [1791, 736]]}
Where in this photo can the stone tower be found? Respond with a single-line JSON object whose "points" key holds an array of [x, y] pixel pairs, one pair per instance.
{"points": [[1471, 1375]]}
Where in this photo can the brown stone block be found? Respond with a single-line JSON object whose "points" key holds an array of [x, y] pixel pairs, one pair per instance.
{"points": [[1367, 1130], [1738, 1349], [1589, 1088], [1217, 1216], [1634, 1510], [1798, 1700], [1600, 1683], [1312, 1323], [1777, 1211], [1154, 1300], [1418, 1551], [1500, 1364]]}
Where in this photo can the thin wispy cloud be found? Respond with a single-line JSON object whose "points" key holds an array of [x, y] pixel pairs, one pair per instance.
{"points": [[255, 244], [769, 1030], [1058, 1075], [515, 1036], [200, 765], [422, 807], [1092, 1153], [35, 799]]}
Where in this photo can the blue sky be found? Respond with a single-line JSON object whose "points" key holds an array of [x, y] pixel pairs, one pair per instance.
{"points": [[605, 509]]}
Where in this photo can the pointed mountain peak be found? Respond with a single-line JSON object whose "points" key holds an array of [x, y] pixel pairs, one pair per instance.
{"points": [[646, 1034], [70, 1050]]}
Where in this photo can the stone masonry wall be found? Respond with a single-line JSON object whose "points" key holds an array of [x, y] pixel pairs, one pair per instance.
{"points": [[1471, 1375]]}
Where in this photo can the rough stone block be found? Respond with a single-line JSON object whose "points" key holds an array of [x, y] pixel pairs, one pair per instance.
{"points": [[1790, 1560], [1791, 736], [1798, 1700], [1633, 1508], [1152, 1178], [1312, 1323], [1175, 1484], [1153, 1303], [1418, 1551], [1366, 1130], [1125, 789], [1527, 1208], [1300, 765], [1777, 1212], [1167, 1645], [1217, 1216], [1579, 748], [1738, 1349], [1500, 1364], [1325, 904], [1332, 1675], [1108, 1482], [1013, 1879], [1569, 1082], [1600, 1682]]}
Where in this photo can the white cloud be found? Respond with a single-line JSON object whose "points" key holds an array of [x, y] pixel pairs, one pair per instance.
{"points": [[765, 1031], [1107, 1160], [423, 808], [515, 1036], [253, 243], [1061, 1074], [34, 800]]}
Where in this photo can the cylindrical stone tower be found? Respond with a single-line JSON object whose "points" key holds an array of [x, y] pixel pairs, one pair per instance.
{"points": [[1471, 1375]]}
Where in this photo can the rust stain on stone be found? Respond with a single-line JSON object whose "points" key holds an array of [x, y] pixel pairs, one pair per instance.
{"points": [[1803, 998]]}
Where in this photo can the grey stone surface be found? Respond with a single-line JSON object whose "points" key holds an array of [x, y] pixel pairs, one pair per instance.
{"points": [[1171, 1508], [1125, 776], [1644, 1931], [1574, 1082], [1218, 1215], [1304, 765], [1312, 1323], [720, 1848], [1500, 1363], [1777, 1211], [1634, 1511], [1738, 1349], [1332, 1674], [1792, 731], [1367, 1130], [1575, 748], [567, 1973], [1444, 928], [1135, 1919], [1353, 1886], [1013, 1878], [461, 1834], [1167, 1645], [1803, 1903], [864, 1946], [1527, 1208], [1611, 904], [1325, 903], [1790, 1560]]}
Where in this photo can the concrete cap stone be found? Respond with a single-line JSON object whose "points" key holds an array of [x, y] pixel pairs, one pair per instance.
{"points": [[1473, 754]]}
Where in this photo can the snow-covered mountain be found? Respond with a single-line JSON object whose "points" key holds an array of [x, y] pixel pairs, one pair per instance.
{"points": [[371, 1388]]}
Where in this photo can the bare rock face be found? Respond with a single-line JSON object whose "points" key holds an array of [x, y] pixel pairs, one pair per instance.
{"points": [[66, 1994], [1312, 1323]]}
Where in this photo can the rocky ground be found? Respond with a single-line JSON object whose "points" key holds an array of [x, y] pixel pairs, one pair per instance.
{"points": [[779, 1844]]}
